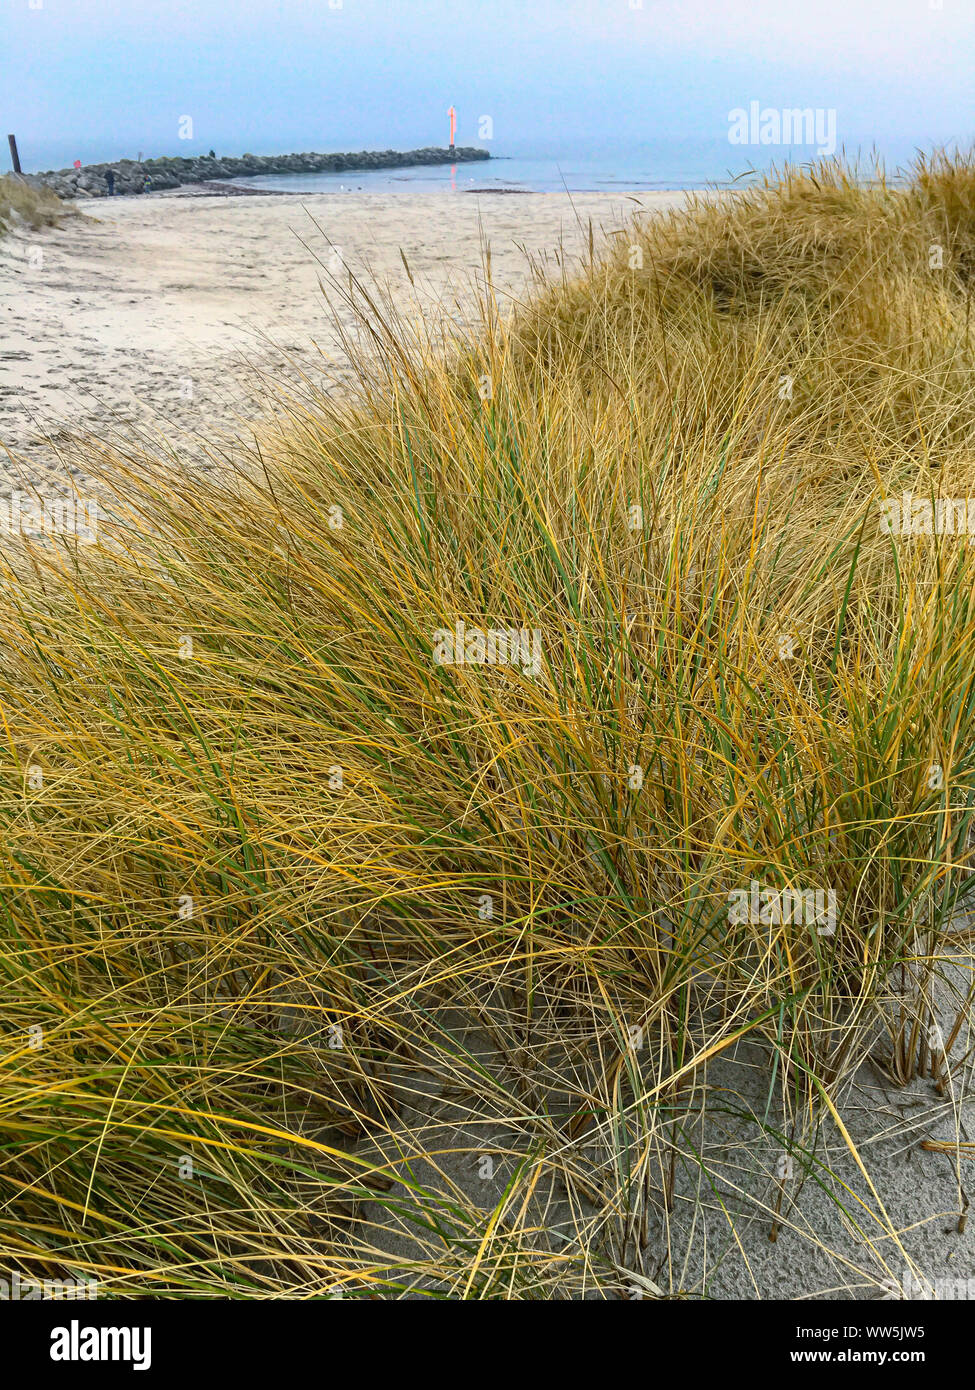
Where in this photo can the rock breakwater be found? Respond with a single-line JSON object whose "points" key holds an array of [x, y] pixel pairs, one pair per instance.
{"points": [[131, 175]]}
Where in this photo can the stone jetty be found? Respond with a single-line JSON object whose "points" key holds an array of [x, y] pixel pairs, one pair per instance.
{"points": [[130, 174]]}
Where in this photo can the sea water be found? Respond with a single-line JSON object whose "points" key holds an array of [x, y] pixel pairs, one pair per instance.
{"points": [[659, 165]]}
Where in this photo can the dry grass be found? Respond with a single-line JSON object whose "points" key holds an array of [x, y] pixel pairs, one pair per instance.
{"points": [[32, 206], [337, 922]]}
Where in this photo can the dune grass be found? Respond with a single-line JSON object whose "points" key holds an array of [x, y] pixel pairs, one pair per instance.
{"points": [[35, 207], [300, 923]]}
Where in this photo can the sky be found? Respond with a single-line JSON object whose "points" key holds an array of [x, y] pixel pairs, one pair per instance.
{"points": [[103, 79]]}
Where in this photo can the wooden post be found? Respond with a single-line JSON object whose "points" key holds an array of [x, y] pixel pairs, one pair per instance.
{"points": [[14, 156]]}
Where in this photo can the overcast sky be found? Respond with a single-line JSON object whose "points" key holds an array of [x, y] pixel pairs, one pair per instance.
{"points": [[106, 78]]}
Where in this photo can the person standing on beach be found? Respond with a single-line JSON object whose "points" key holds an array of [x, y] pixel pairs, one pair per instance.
{"points": [[110, 181]]}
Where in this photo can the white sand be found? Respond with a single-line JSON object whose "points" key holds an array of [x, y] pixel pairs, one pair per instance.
{"points": [[150, 310]]}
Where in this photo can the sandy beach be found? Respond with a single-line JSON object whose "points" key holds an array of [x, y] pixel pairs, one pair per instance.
{"points": [[156, 311]]}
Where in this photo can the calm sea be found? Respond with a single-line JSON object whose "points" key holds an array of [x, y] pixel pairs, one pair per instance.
{"points": [[664, 165]]}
